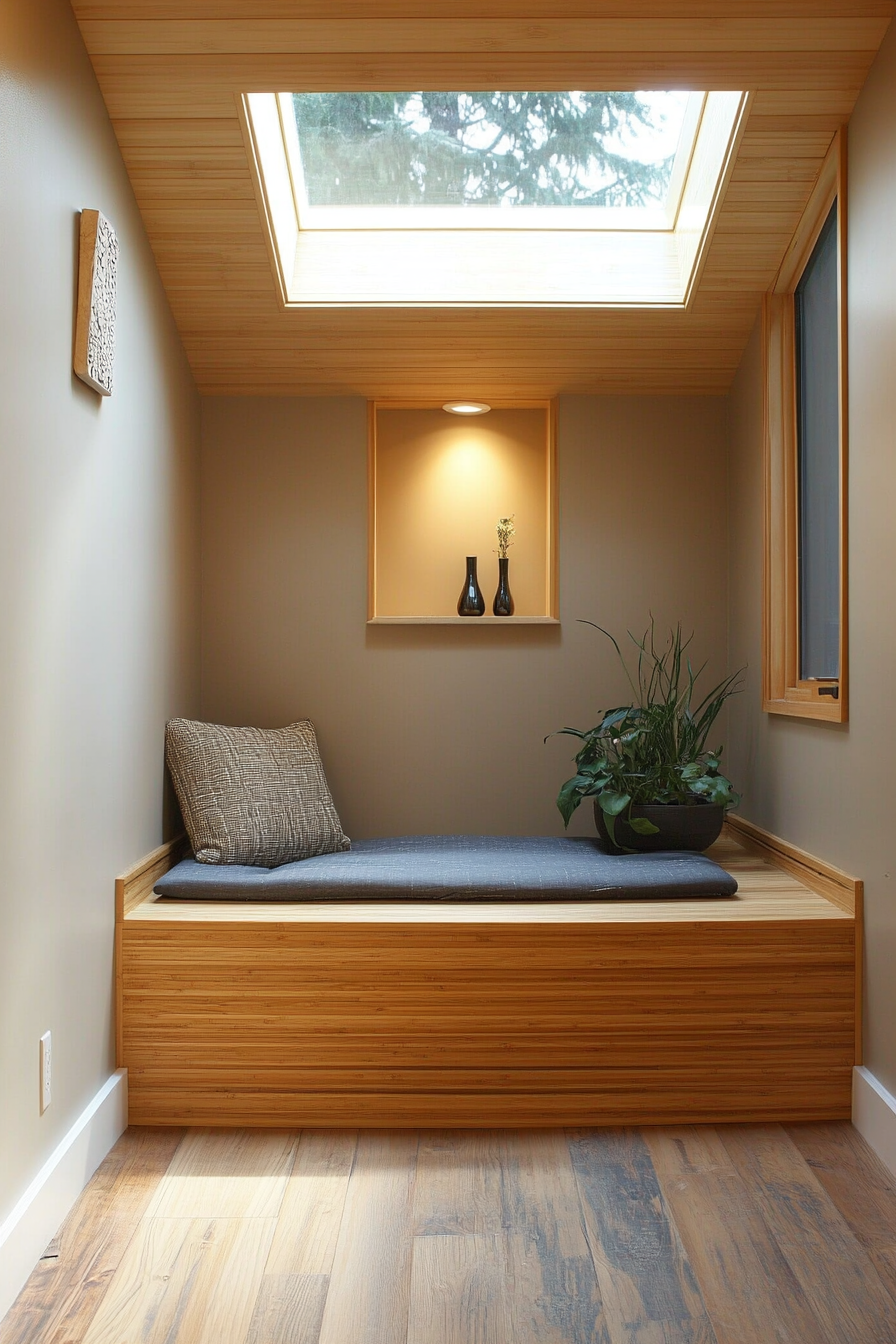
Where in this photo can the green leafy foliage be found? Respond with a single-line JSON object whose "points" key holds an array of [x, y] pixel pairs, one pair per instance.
{"points": [[642, 826], [437, 148], [653, 750]]}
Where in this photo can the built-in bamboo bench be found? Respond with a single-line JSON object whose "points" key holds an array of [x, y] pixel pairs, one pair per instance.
{"points": [[588, 1013]]}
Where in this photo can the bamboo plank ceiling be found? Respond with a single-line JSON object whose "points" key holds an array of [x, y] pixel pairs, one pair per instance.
{"points": [[171, 71]]}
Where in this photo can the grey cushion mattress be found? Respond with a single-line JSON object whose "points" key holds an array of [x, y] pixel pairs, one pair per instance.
{"points": [[457, 868]]}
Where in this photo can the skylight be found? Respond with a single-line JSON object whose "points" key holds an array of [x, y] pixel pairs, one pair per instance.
{"points": [[502, 199], [489, 159]]}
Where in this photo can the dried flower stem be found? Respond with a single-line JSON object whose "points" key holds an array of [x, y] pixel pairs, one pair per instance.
{"points": [[505, 530]]}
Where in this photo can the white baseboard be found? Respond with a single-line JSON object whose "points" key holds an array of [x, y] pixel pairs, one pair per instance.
{"points": [[874, 1115], [34, 1221]]}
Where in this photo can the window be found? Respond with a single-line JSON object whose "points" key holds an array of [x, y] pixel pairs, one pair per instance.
{"points": [[805, 648], [495, 160], [494, 199], [816, 345]]}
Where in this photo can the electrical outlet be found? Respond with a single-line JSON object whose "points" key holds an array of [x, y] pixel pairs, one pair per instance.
{"points": [[46, 1070]]}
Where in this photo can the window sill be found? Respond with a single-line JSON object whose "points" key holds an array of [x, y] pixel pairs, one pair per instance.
{"points": [[823, 709]]}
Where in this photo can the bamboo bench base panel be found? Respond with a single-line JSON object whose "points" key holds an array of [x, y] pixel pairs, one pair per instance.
{"points": [[518, 1023]]}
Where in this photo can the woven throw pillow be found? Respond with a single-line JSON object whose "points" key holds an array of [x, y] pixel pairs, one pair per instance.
{"points": [[252, 795]]}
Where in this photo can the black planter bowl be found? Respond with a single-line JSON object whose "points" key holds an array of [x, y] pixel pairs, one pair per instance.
{"points": [[692, 826]]}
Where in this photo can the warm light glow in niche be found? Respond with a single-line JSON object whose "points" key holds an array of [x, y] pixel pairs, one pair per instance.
{"points": [[462, 472], [441, 486]]}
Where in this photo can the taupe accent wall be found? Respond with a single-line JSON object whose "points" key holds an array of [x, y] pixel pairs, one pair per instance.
{"points": [[827, 787], [440, 729], [98, 609]]}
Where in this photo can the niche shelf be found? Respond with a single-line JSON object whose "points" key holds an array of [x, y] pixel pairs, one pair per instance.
{"points": [[437, 485]]}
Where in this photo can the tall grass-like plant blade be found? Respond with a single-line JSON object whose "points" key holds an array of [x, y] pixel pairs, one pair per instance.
{"points": [[595, 626], [573, 732], [730, 686]]}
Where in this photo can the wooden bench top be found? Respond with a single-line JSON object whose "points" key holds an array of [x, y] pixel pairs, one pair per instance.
{"points": [[765, 892]]}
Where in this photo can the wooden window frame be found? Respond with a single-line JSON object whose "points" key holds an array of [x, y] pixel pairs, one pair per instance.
{"points": [[783, 691]]}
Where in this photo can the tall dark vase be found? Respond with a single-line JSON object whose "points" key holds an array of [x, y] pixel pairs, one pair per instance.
{"points": [[503, 603], [471, 602]]}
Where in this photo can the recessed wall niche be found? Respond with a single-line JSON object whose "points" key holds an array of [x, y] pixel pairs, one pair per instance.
{"points": [[438, 483]]}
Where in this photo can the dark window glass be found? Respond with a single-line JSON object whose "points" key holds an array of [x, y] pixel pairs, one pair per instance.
{"points": [[818, 428]]}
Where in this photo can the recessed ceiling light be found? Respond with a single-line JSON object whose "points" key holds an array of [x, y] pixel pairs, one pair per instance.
{"points": [[466, 407]]}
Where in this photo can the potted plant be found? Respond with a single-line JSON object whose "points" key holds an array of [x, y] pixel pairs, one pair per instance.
{"points": [[654, 783]]}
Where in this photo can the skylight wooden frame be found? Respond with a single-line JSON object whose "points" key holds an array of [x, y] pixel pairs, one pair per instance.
{"points": [[485, 268], [783, 690]]}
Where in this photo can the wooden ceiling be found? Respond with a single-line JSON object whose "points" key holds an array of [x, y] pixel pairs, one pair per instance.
{"points": [[171, 71]]}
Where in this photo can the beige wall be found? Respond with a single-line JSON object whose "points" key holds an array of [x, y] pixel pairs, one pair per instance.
{"points": [[830, 788], [97, 600], [440, 729]]}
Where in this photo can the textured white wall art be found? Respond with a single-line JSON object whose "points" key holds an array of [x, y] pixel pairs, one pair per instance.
{"points": [[95, 326]]}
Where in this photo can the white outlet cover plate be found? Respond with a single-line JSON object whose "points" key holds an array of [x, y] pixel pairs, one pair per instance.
{"points": [[46, 1070]]}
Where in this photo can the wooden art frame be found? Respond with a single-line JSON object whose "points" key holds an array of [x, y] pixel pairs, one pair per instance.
{"points": [[94, 355]]}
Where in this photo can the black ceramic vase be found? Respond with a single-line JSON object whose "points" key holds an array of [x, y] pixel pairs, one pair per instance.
{"points": [[503, 603], [471, 601]]}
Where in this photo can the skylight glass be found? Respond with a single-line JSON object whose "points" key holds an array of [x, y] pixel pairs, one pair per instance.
{"points": [[485, 200], [493, 159]]}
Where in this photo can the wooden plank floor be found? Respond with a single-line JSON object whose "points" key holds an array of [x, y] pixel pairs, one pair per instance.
{"points": [[697, 1235]]}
